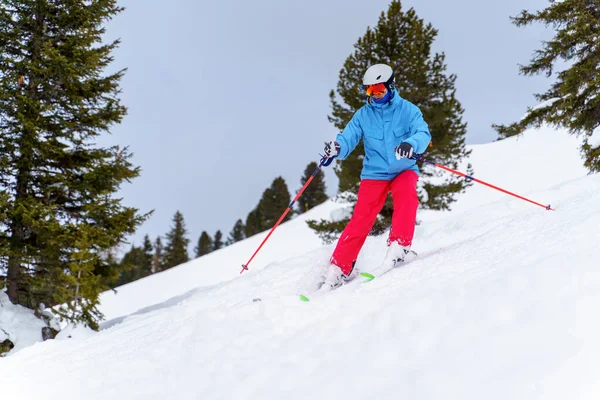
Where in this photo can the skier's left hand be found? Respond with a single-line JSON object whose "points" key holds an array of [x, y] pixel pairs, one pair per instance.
{"points": [[405, 150]]}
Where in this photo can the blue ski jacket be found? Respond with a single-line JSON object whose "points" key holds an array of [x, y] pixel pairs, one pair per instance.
{"points": [[382, 127]]}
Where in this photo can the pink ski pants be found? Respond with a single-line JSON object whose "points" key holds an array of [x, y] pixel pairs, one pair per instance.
{"points": [[371, 198]]}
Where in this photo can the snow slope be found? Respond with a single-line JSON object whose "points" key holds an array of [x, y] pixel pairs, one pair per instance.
{"points": [[501, 304], [291, 239]]}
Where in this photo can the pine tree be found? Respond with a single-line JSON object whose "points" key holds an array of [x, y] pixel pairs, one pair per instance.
{"points": [[218, 241], [130, 266], [403, 41], [237, 233], [205, 245], [157, 257], [176, 250], [136, 263], [274, 202], [573, 100], [255, 222], [59, 209], [111, 269], [147, 255], [315, 192]]}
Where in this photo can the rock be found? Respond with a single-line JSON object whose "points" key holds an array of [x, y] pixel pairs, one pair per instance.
{"points": [[5, 347], [48, 333]]}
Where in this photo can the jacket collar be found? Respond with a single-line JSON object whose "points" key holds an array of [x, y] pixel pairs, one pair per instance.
{"points": [[394, 101]]}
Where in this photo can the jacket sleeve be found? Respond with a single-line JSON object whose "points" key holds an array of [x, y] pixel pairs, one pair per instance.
{"points": [[419, 132], [349, 137]]}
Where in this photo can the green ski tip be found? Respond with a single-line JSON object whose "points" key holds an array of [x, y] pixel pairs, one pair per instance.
{"points": [[367, 275], [303, 298]]}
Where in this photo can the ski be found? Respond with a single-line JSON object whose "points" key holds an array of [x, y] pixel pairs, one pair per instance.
{"points": [[319, 292], [410, 257]]}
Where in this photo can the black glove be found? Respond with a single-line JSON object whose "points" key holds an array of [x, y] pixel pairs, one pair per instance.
{"points": [[405, 150]]}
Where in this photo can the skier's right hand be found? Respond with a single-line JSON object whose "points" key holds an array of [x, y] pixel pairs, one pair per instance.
{"points": [[332, 149]]}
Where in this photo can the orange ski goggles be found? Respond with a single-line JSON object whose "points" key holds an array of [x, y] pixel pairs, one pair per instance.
{"points": [[376, 89]]}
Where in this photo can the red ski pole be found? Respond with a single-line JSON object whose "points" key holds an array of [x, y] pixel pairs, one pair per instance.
{"points": [[245, 266], [418, 157]]}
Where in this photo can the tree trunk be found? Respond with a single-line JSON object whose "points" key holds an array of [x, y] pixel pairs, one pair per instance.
{"points": [[13, 272], [14, 264], [17, 237]]}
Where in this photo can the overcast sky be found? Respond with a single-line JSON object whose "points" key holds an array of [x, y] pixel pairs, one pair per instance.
{"points": [[224, 96]]}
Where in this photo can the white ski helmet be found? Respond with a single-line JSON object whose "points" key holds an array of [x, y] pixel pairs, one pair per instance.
{"points": [[379, 73]]}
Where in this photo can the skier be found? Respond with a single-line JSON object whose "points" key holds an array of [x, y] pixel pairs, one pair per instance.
{"points": [[392, 130]]}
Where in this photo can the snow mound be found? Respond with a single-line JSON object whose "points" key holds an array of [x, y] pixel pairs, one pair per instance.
{"points": [[18, 324]]}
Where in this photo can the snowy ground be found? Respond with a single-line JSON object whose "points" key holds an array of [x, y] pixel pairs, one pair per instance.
{"points": [[501, 304], [18, 324]]}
